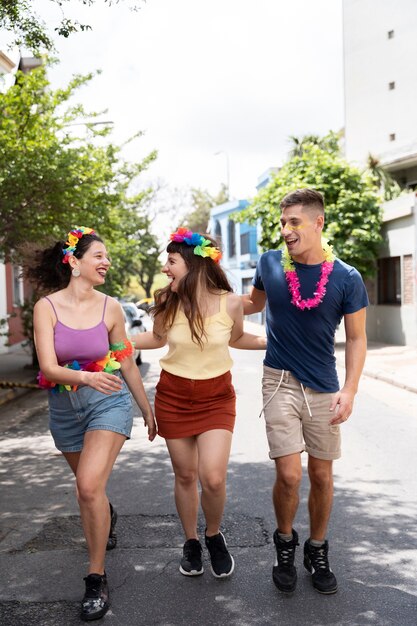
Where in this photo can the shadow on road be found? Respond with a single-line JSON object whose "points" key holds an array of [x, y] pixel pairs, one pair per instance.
{"points": [[373, 541]]}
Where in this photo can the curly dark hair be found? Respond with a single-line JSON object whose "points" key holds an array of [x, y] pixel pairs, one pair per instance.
{"points": [[44, 267]]}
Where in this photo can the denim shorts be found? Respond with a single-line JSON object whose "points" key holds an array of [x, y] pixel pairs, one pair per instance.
{"points": [[73, 413]]}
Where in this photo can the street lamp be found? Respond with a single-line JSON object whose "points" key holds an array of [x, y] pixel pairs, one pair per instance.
{"points": [[88, 123], [227, 171]]}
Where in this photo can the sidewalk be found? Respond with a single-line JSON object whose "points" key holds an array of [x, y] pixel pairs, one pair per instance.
{"points": [[396, 365], [15, 367]]}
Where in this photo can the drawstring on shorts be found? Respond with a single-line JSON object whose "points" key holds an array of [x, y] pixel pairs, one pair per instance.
{"points": [[273, 395], [306, 401], [276, 391]]}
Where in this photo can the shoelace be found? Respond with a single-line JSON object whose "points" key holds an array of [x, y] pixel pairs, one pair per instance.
{"points": [[286, 555], [93, 588], [318, 556], [192, 552]]}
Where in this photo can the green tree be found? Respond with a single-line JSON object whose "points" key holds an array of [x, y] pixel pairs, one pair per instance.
{"points": [[383, 180], [353, 214], [148, 264], [202, 202], [300, 144], [29, 29], [51, 179]]}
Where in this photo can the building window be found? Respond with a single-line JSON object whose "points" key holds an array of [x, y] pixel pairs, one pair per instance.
{"points": [[244, 243], [231, 231], [390, 34], [392, 136], [17, 284], [246, 284], [389, 280], [391, 85], [217, 230]]}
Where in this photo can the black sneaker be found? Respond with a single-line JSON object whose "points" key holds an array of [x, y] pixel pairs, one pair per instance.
{"points": [[317, 563], [191, 562], [95, 603], [112, 540], [284, 573], [222, 562]]}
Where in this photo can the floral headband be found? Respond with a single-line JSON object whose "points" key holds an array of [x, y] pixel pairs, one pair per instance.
{"points": [[73, 237], [202, 247]]}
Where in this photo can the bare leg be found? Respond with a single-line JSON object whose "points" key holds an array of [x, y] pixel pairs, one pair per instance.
{"points": [[184, 459], [213, 456], [95, 464], [285, 493], [321, 496]]}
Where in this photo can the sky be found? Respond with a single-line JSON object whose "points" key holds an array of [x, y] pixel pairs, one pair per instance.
{"points": [[200, 77]]}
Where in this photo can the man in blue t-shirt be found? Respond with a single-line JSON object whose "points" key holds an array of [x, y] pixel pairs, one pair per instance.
{"points": [[307, 292]]}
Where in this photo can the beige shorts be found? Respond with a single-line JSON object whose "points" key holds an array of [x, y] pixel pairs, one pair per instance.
{"points": [[297, 418]]}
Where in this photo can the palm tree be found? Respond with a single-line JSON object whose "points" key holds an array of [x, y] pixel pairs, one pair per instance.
{"points": [[383, 179]]}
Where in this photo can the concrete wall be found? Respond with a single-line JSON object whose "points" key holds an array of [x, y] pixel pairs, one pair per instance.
{"points": [[372, 60], [392, 324]]}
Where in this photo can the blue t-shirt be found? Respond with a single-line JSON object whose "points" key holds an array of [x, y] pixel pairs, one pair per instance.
{"points": [[302, 342]]}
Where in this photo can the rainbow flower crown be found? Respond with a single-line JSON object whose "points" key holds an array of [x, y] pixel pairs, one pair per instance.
{"points": [[202, 247], [73, 238]]}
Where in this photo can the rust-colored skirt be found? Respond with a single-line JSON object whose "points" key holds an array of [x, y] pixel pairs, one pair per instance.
{"points": [[186, 407]]}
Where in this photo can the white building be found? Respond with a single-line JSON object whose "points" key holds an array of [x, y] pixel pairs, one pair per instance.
{"points": [[380, 52]]}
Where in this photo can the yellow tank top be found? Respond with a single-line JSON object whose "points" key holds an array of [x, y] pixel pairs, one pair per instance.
{"points": [[185, 358]]}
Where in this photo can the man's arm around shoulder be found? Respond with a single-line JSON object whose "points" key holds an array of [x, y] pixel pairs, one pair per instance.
{"points": [[254, 301]]}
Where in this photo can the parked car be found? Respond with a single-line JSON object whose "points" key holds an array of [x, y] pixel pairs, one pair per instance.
{"points": [[133, 324], [144, 304]]}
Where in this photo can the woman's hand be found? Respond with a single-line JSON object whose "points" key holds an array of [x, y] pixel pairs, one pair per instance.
{"points": [[101, 381], [151, 425]]}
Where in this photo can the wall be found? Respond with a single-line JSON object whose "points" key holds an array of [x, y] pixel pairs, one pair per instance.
{"points": [[371, 61]]}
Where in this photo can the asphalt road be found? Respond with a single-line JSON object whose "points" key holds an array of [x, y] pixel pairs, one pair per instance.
{"points": [[373, 533]]}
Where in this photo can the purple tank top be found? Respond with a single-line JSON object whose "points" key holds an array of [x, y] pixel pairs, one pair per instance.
{"points": [[85, 345]]}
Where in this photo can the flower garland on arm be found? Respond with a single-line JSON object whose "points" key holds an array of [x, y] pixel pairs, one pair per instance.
{"points": [[109, 364], [294, 283]]}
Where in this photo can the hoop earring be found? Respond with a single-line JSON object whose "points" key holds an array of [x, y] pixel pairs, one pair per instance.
{"points": [[75, 272]]}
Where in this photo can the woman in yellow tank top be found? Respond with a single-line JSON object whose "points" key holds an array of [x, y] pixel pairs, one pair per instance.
{"points": [[199, 316]]}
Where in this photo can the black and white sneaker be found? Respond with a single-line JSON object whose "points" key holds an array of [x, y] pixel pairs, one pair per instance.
{"points": [[95, 603], [191, 562], [222, 562], [284, 573], [317, 563]]}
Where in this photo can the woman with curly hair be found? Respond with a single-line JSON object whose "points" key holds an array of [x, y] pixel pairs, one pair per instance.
{"points": [[87, 366]]}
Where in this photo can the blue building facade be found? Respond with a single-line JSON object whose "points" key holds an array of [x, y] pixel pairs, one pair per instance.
{"points": [[238, 242]]}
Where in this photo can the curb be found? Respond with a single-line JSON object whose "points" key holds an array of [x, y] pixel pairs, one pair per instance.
{"points": [[391, 381], [7, 395], [382, 377]]}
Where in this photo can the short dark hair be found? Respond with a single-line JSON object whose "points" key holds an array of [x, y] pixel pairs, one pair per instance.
{"points": [[308, 198]]}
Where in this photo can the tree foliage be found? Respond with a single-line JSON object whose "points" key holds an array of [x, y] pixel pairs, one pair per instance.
{"points": [[52, 179], [30, 31], [387, 185], [353, 214], [149, 265], [202, 202]]}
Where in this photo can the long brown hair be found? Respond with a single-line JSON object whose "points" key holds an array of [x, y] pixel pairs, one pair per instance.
{"points": [[204, 274]]}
